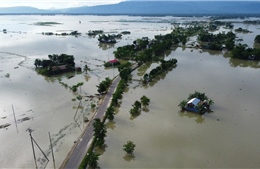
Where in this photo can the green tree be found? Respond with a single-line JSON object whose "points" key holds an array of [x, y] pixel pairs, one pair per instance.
{"points": [[125, 73], [129, 147], [37, 62], [93, 159], [99, 132], [137, 105], [183, 104], [86, 68], [110, 113], [134, 112], [104, 85], [145, 101]]}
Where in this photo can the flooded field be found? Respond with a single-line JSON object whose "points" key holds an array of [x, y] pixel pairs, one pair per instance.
{"points": [[164, 136]]}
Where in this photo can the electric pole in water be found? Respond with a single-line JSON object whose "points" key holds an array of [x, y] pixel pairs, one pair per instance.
{"points": [[33, 141], [30, 133]]}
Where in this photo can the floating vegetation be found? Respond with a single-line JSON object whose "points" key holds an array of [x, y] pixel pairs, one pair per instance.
{"points": [[94, 32], [4, 125], [24, 119], [46, 23], [125, 32]]}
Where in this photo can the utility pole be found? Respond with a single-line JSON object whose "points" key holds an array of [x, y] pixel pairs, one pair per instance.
{"points": [[33, 141], [15, 119], [30, 133], [52, 151]]}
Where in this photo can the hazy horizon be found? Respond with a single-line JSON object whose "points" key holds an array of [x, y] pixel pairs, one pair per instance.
{"points": [[61, 4]]}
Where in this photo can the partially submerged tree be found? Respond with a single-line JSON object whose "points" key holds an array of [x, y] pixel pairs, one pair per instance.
{"points": [[99, 132], [129, 147], [145, 101], [93, 159], [104, 85], [183, 104], [110, 113]]}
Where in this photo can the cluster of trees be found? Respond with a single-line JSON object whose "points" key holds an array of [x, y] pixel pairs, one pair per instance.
{"points": [[73, 33], [125, 70], [217, 41], [136, 110], [214, 25], [94, 32], [104, 85], [165, 65], [99, 132], [118, 94], [243, 52], [91, 159], [108, 38], [241, 30], [55, 64], [144, 49]]}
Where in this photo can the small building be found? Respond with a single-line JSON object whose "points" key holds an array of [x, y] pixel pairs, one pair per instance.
{"points": [[78, 69], [192, 105], [251, 57], [60, 68], [113, 61]]}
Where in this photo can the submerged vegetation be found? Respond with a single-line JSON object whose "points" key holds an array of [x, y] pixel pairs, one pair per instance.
{"points": [[129, 147], [143, 50], [47, 23], [164, 66], [109, 38], [56, 64], [244, 52]]}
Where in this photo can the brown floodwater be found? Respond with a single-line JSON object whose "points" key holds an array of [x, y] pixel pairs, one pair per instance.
{"points": [[164, 136], [167, 138], [42, 103]]}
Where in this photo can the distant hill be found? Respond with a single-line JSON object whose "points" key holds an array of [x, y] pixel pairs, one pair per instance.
{"points": [[181, 8], [25, 10]]}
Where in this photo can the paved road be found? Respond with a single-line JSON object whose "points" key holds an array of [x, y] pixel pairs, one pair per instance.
{"points": [[80, 149]]}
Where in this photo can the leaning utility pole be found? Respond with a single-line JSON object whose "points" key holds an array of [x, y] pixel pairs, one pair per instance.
{"points": [[33, 141], [15, 119], [52, 151], [30, 132]]}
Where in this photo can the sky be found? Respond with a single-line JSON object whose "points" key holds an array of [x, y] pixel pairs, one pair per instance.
{"points": [[59, 4], [56, 4]]}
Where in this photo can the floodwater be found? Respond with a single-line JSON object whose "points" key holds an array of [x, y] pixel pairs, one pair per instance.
{"points": [[164, 137], [42, 103]]}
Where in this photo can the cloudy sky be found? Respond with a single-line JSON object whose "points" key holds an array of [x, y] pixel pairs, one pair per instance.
{"points": [[57, 4]]}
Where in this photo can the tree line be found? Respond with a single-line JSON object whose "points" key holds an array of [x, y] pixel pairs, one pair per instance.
{"points": [[55, 64]]}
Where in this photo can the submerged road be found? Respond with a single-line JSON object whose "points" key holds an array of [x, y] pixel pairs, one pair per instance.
{"points": [[80, 149]]}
